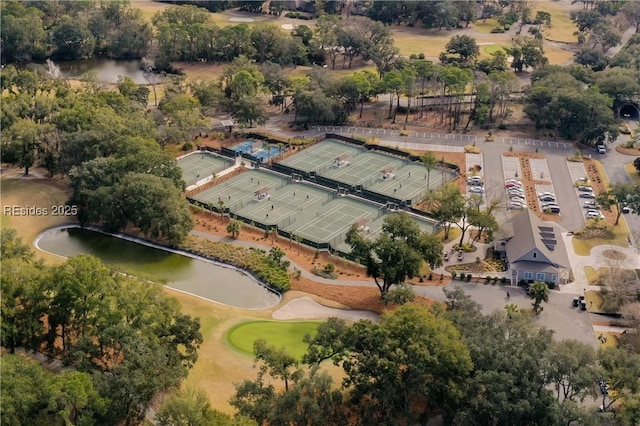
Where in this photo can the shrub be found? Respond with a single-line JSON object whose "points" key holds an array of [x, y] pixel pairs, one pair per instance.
{"points": [[497, 30], [187, 146], [453, 274], [329, 267], [399, 295], [468, 277], [503, 280], [257, 262]]}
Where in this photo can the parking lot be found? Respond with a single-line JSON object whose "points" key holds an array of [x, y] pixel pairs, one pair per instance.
{"points": [[389, 133]]}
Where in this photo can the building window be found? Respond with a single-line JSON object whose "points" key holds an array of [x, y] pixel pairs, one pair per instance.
{"points": [[554, 278], [535, 254], [540, 276], [528, 275]]}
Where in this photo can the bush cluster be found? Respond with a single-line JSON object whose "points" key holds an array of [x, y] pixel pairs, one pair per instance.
{"points": [[257, 262]]}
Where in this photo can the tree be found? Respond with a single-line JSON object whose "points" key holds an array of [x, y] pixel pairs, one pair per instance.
{"points": [[509, 356], [465, 47], [191, 407], [23, 35], [606, 36], [573, 370], [397, 253], [619, 195], [526, 52], [234, 228], [429, 161], [275, 361], [621, 369], [399, 370], [392, 83], [72, 39], [636, 164], [22, 140], [540, 293], [593, 58], [446, 205]]}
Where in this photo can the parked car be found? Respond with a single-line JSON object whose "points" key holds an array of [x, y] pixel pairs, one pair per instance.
{"points": [[548, 204], [589, 195], [552, 210], [626, 209], [583, 188], [475, 180], [546, 194], [590, 204], [601, 149], [594, 215], [516, 193], [515, 205], [517, 199], [476, 190], [548, 199]]}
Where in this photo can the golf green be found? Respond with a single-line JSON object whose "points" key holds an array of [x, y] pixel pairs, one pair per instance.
{"points": [[279, 334]]}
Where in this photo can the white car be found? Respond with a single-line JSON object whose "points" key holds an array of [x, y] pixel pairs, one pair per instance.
{"points": [[544, 194], [517, 206], [592, 214], [590, 204], [475, 180], [476, 190], [513, 185]]}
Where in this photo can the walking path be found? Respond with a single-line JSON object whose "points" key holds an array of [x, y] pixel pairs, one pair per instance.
{"points": [[558, 315]]}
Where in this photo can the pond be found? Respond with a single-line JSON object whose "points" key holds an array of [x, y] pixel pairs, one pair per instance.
{"points": [[107, 70], [193, 275]]}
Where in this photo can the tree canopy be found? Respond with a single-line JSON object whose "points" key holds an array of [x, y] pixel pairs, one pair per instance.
{"points": [[397, 253], [124, 339]]}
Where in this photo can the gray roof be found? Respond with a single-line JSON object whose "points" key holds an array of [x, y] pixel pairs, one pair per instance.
{"points": [[525, 232]]}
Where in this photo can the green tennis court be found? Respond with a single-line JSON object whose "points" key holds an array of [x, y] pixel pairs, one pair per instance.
{"points": [[319, 157], [200, 165]]}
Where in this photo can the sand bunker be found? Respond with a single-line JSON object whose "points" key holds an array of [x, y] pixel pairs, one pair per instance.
{"points": [[288, 26], [307, 308], [241, 20]]}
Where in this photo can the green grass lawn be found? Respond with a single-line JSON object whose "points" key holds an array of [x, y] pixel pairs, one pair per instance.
{"points": [[491, 48], [280, 334], [594, 300], [562, 28], [485, 26], [620, 232], [592, 275]]}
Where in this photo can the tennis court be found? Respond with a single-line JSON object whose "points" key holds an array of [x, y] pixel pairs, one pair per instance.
{"points": [[241, 189], [410, 182], [284, 205], [245, 147], [335, 219], [364, 169], [198, 166], [319, 157]]}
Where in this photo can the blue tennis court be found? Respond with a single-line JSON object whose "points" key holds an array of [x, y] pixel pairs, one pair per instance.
{"points": [[267, 154], [245, 147]]}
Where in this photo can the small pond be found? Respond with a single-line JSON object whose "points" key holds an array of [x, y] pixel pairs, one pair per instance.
{"points": [[181, 272]]}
